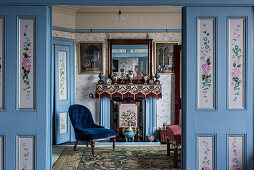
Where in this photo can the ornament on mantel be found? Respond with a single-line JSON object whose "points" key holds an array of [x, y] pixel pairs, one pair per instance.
{"points": [[101, 76]]}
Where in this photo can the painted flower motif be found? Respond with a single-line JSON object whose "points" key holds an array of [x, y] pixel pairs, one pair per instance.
{"points": [[205, 38], [26, 62], [236, 57], [207, 46]]}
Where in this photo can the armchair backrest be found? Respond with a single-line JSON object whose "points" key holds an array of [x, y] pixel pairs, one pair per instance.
{"points": [[80, 116]]}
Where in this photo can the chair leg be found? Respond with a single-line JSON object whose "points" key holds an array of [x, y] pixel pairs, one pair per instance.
{"points": [[92, 145], [175, 157], [86, 144], [114, 141], [75, 145], [168, 147]]}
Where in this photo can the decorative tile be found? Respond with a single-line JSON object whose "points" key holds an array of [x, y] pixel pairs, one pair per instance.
{"points": [[236, 152], [63, 122], [26, 153], [206, 64], [62, 75], [236, 63], [26, 63], [205, 152]]}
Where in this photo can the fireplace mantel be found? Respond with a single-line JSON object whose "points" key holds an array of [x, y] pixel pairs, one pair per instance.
{"points": [[148, 92], [133, 91]]}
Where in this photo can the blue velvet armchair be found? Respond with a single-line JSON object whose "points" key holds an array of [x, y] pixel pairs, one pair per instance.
{"points": [[85, 129]]}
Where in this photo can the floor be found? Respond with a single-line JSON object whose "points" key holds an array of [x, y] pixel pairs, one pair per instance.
{"points": [[58, 149]]}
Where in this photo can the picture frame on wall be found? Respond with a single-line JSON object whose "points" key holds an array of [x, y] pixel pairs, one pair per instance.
{"points": [[164, 57], [91, 57]]}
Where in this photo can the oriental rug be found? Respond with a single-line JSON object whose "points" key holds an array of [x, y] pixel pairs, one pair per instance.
{"points": [[124, 157]]}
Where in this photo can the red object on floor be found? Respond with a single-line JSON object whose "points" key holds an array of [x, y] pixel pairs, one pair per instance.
{"points": [[173, 135]]}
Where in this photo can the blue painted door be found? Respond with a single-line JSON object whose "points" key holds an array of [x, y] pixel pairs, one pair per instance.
{"points": [[62, 93], [217, 88], [31, 125]]}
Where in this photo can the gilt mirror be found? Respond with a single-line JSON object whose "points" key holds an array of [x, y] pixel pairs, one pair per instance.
{"points": [[130, 55]]}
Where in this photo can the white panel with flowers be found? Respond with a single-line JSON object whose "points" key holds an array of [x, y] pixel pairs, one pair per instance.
{"points": [[235, 152], [206, 64], [236, 63], [26, 63], [205, 152]]}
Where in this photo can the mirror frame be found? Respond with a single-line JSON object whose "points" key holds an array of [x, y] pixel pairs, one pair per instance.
{"points": [[112, 42]]}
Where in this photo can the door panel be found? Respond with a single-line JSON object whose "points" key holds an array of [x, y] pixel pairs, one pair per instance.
{"points": [[62, 93], [215, 134], [26, 130]]}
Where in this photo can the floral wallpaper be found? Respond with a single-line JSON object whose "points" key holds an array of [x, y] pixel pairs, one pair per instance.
{"points": [[236, 63], [26, 153], [62, 75], [26, 53], [235, 153], [165, 113], [205, 152], [206, 64]]}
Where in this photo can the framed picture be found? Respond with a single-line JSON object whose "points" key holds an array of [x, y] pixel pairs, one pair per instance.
{"points": [[91, 57], [164, 57], [128, 115]]}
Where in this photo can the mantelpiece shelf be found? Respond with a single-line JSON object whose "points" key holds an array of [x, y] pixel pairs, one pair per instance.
{"points": [[133, 91]]}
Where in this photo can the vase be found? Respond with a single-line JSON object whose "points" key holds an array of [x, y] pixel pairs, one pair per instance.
{"points": [[129, 134], [150, 138], [130, 76]]}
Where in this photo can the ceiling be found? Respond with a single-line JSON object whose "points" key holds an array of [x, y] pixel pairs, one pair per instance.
{"points": [[128, 9]]}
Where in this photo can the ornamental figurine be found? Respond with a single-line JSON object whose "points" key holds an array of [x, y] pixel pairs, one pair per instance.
{"points": [[101, 76], [157, 76]]}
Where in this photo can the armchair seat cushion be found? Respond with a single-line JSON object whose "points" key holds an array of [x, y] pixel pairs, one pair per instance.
{"points": [[95, 133]]}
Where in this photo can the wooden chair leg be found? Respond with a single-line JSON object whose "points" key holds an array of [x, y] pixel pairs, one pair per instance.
{"points": [[168, 147], [75, 145], [86, 144], [92, 145], [114, 141], [175, 157]]}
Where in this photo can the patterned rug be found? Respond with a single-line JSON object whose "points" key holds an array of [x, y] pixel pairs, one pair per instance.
{"points": [[124, 157]]}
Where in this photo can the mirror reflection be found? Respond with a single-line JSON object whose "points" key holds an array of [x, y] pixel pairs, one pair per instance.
{"points": [[130, 58]]}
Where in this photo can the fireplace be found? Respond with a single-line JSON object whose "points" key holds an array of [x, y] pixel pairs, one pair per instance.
{"points": [[145, 95], [128, 113]]}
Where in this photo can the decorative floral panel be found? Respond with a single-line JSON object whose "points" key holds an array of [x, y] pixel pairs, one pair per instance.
{"points": [[1, 61], [206, 64], [128, 115], [26, 63], [26, 153], [1, 152], [205, 152], [236, 63], [63, 122], [62, 75], [236, 152]]}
